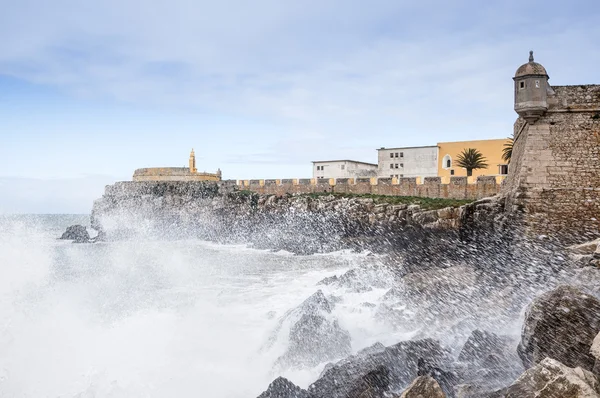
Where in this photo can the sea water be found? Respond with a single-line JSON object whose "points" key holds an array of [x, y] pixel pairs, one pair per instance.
{"points": [[148, 318]]}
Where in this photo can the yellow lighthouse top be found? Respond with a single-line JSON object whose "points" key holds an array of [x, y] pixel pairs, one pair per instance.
{"points": [[189, 173]]}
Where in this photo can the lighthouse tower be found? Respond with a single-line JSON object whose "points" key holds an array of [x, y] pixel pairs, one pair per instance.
{"points": [[193, 162], [531, 90]]}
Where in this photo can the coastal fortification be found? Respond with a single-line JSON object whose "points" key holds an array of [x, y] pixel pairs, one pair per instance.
{"points": [[176, 173], [554, 177]]}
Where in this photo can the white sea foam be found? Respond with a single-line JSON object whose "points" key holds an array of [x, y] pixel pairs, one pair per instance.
{"points": [[145, 318]]}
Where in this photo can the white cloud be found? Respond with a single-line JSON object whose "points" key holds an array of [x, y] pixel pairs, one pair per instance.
{"points": [[321, 79]]}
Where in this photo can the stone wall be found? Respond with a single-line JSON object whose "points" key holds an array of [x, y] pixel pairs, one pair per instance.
{"points": [[555, 168], [432, 187], [173, 174]]}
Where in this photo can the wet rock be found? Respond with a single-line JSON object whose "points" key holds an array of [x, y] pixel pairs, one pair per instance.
{"points": [[400, 359], [283, 388], [595, 349], [482, 345], [423, 387], [328, 281], [315, 339], [314, 336], [560, 324], [585, 248], [374, 384], [552, 379], [446, 379], [425, 217], [76, 233]]}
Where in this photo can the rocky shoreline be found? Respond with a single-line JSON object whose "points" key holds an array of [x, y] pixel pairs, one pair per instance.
{"points": [[489, 311]]}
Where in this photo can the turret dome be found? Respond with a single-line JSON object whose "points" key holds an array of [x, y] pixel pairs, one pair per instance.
{"points": [[531, 68]]}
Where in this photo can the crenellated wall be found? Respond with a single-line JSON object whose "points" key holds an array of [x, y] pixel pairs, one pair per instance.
{"points": [[431, 187]]}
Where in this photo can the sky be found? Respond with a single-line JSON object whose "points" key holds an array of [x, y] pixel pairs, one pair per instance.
{"points": [[92, 90]]}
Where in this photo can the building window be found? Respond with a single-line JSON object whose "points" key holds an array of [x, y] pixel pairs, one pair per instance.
{"points": [[396, 165], [401, 164], [391, 165], [343, 166], [451, 172], [391, 154], [401, 175], [447, 162], [503, 169], [396, 154], [537, 84], [401, 154], [522, 85]]}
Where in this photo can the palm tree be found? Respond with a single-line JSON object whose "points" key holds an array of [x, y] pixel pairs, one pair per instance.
{"points": [[471, 159], [507, 150]]}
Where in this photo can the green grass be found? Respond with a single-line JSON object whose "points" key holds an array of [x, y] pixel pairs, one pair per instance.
{"points": [[425, 203]]}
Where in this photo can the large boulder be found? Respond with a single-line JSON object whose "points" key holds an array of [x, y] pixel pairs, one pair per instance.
{"points": [[76, 233], [595, 351], [283, 388], [487, 362], [487, 349], [560, 324], [315, 339], [552, 379], [423, 387], [403, 360], [314, 335], [374, 384]]}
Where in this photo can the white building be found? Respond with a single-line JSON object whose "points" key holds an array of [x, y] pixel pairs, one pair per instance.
{"points": [[343, 169], [420, 161]]}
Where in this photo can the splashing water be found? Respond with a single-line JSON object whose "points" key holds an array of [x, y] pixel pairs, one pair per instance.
{"points": [[150, 318]]}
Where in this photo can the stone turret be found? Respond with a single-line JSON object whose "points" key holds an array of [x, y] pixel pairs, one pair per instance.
{"points": [[531, 90]]}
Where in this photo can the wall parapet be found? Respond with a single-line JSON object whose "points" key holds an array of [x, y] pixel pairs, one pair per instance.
{"points": [[467, 188]]}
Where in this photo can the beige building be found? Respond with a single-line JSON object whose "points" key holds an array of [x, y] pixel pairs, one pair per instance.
{"points": [[343, 169], [189, 173]]}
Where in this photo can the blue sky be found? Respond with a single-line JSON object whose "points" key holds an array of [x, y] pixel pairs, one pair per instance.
{"points": [[90, 91]]}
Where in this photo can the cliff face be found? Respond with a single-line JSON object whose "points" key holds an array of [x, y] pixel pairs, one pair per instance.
{"points": [[297, 223]]}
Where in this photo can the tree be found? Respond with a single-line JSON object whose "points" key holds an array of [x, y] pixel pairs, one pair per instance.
{"points": [[471, 159], [507, 150]]}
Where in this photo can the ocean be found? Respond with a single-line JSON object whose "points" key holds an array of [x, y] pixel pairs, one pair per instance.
{"points": [[149, 318]]}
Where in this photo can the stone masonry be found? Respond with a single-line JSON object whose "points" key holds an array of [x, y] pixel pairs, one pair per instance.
{"points": [[554, 178]]}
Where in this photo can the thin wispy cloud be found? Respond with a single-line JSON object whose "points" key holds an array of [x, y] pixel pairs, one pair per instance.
{"points": [[119, 85]]}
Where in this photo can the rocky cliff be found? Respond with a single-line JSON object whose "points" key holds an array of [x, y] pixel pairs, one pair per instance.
{"points": [[302, 223]]}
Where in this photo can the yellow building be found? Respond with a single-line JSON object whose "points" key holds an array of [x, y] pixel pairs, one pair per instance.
{"points": [[490, 149], [176, 173]]}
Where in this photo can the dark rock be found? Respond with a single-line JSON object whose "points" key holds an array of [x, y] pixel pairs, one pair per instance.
{"points": [[76, 233], [328, 281], [423, 386], [481, 345], [316, 302], [374, 384], [560, 324], [446, 380], [315, 339], [283, 388], [400, 359]]}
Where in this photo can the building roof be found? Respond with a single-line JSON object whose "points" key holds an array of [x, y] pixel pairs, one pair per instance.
{"points": [[407, 147], [459, 142], [531, 68], [343, 160]]}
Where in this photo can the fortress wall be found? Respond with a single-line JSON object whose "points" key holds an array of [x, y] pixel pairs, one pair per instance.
{"points": [[432, 187], [555, 168]]}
